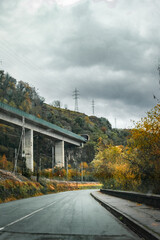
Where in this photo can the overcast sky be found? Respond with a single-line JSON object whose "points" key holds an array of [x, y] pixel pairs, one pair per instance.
{"points": [[107, 49]]}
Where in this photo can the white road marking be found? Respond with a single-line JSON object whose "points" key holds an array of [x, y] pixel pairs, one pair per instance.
{"points": [[20, 219]]}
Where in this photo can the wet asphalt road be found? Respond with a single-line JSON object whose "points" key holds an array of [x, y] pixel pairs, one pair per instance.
{"points": [[67, 215]]}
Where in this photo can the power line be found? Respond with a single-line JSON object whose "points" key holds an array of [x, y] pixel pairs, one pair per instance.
{"points": [[6, 45], [12, 57], [76, 97]]}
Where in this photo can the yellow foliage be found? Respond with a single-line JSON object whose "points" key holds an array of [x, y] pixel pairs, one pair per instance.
{"points": [[112, 168], [137, 164], [88, 121], [146, 134], [69, 166], [4, 162], [84, 165]]}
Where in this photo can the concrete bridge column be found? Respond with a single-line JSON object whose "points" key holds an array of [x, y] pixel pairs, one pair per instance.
{"points": [[59, 153], [28, 149]]}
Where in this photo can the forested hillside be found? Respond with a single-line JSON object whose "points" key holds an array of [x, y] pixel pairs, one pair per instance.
{"points": [[21, 95], [120, 159]]}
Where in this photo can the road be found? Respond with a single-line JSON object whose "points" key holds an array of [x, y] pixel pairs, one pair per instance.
{"points": [[66, 215]]}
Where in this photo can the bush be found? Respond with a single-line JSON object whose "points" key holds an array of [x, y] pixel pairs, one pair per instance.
{"points": [[10, 189]]}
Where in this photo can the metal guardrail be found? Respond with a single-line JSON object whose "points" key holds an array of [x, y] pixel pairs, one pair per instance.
{"points": [[40, 121]]}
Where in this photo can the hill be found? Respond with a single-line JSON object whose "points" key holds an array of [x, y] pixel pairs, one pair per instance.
{"points": [[22, 96]]}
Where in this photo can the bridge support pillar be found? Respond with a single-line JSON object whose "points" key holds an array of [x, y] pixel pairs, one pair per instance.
{"points": [[59, 154], [28, 148]]}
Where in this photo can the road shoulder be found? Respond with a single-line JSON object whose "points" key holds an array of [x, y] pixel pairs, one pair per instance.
{"points": [[142, 219]]}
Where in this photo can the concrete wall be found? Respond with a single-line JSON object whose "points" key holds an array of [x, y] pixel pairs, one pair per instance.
{"points": [[148, 199]]}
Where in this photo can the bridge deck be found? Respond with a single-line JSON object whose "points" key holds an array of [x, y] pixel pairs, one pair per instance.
{"points": [[40, 121]]}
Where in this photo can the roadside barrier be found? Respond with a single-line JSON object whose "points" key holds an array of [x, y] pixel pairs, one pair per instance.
{"points": [[148, 199]]}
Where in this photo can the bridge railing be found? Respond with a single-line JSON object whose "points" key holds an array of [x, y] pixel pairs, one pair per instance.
{"points": [[41, 121]]}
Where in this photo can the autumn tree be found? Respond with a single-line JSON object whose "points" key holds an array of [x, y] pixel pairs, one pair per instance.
{"points": [[113, 169], [136, 166], [3, 162], [145, 141]]}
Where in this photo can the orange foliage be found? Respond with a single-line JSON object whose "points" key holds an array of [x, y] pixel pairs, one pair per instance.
{"points": [[84, 165], [4, 162]]}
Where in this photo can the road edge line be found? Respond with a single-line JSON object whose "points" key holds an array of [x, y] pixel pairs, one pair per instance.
{"points": [[24, 217]]}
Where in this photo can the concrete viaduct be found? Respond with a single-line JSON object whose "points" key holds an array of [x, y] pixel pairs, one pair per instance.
{"points": [[32, 124]]}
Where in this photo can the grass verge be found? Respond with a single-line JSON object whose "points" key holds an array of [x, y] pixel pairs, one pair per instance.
{"points": [[12, 190]]}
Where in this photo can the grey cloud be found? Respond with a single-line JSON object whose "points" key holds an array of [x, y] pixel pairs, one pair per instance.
{"points": [[115, 48], [108, 53], [126, 92]]}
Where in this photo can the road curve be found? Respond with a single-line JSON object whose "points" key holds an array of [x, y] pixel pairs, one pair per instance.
{"points": [[66, 215]]}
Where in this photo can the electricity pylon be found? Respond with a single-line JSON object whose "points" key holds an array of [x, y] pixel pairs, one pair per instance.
{"points": [[76, 97]]}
